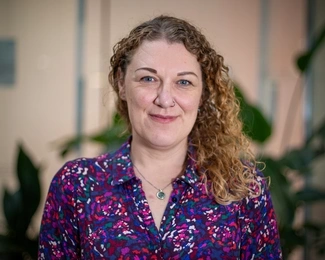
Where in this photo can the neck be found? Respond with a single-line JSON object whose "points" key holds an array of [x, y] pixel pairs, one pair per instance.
{"points": [[162, 165]]}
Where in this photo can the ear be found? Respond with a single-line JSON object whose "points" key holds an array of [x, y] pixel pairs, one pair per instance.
{"points": [[121, 85]]}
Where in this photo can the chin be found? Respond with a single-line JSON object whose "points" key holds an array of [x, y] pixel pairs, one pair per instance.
{"points": [[165, 142]]}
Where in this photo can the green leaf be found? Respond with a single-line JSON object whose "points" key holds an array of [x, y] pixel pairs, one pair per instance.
{"points": [[310, 195], [320, 130], [299, 159], [290, 239], [283, 199], [71, 144], [28, 178], [316, 234], [110, 138], [11, 249], [255, 124], [12, 207], [304, 60], [30, 247]]}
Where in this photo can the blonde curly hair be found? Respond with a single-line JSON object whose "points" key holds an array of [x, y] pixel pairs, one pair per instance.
{"points": [[222, 150]]}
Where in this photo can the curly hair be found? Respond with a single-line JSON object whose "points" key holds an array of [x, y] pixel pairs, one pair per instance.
{"points": [[222, 150]]}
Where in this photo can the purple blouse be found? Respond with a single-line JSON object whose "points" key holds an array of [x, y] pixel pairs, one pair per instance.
{"points": [[96, 209]]}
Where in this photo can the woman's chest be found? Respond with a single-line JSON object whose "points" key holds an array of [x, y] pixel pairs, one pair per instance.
{"points": [[124, 226]]}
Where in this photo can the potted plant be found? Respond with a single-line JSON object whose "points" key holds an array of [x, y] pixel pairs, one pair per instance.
{"points": [[19, 207]]}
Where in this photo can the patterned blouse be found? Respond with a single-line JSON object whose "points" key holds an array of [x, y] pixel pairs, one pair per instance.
{"points": [[96, 209]]}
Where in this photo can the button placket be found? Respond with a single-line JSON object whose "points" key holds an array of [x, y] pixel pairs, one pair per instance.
{"points": [[173, 206], [142, 212]]}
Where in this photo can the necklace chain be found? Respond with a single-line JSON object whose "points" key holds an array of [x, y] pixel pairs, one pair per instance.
{"points": [[160, 194]]}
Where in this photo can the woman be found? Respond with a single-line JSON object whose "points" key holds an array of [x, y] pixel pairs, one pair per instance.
{"points": [[185, 185]]}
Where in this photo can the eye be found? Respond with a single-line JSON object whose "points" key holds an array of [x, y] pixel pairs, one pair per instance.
{"points": [[147, 79], [184, 82]]}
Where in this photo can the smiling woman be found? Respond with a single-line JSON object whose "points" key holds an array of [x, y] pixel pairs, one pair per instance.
{"points": [[162, 88], [185, 185]]}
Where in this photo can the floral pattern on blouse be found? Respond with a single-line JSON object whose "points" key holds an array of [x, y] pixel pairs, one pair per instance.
{"points": [[96, 209]]}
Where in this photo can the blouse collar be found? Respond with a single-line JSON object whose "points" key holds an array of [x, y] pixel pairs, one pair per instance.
{"points": [[122, 167]]}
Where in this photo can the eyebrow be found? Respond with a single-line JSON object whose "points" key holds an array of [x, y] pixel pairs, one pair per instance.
{"points": [[148, 69], [178, 74], [186, 73]]}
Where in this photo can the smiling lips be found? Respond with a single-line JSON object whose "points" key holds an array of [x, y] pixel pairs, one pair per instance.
{"points": [[162, 118]]}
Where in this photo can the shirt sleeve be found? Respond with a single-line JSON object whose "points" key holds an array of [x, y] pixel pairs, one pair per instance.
{"points": [[59, 238], [260, 236]]}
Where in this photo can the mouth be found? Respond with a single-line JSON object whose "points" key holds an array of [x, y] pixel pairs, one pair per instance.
{"points": [[164, 119]]}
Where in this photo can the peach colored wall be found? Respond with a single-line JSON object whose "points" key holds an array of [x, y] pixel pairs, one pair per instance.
{"points": [[39, 107], [286, 39], [231, 26]]}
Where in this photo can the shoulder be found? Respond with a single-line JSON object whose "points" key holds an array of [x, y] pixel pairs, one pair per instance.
{"points": [[258, 222], [79, 172], [259, 191], [88, 172], [258, 203]]}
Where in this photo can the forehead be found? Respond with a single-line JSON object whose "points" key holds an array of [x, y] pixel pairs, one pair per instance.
{"points": [[160, 53]]}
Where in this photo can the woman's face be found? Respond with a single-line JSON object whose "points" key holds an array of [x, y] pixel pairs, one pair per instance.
{"points": [[162, 87]]}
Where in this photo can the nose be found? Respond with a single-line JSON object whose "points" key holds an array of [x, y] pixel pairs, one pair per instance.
{"points": [[164, 97]]}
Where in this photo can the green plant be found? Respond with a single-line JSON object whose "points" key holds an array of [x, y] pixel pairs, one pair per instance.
{"points": [[19, 208], [288, 201], [110, 137]]}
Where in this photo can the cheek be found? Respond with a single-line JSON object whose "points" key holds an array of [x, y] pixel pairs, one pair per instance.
{"points": [[191, 104], [139, 100], [144, 97]]}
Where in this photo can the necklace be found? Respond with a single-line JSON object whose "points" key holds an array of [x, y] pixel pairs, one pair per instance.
{"points": [[160, 193]]}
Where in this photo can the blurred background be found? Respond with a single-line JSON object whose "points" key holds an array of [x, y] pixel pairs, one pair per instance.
{"points": [[54, 61]]}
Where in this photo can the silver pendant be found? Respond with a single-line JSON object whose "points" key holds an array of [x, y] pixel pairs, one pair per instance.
{"points": [[160, 195]]}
